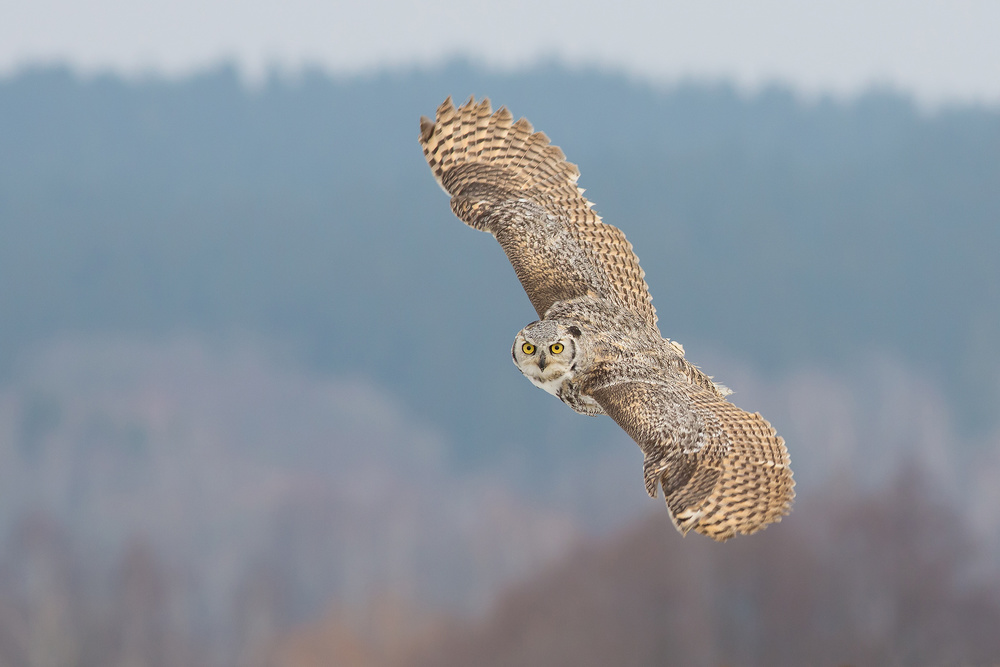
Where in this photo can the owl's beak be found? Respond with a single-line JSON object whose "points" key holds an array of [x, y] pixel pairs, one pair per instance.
{"points": [[541, 361]]}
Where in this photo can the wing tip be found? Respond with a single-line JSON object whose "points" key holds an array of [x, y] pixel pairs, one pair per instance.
{"points": [[721, 521], [426, 129], [473, 132]]}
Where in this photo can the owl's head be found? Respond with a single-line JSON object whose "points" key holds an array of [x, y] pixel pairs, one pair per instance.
{"points": [[546, 352]]}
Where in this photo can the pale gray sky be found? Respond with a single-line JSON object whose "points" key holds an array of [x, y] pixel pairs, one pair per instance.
{"points": [[940, 50]]}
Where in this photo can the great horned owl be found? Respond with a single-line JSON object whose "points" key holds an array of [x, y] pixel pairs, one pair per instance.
{"points": [[723, 471]]}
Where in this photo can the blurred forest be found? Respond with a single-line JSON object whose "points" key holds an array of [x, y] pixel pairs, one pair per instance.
{"points": [[257, 408]]}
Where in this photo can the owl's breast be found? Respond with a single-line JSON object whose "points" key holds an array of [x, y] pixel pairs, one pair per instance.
{"points": [[570, 394]]}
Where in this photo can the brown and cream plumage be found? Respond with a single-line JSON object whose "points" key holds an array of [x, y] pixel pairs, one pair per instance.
{"points": [[596, 345]]}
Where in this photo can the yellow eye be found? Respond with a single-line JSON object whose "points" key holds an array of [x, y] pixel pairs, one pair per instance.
{"points": [[528, 348], [556, 348]]}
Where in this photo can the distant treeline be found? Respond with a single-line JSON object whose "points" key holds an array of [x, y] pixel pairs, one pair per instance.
{"points": [[774, 230]]}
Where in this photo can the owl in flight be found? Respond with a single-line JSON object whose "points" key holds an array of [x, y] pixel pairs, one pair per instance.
{"points": [[596, 345]]}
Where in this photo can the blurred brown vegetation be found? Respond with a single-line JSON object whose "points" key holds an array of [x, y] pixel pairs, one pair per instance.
{"points": [[885, 578], [389, 631], [173, 504], [169, 505]]}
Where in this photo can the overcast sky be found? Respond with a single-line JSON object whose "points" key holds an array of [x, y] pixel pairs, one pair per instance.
{"points": [[940, 50]]}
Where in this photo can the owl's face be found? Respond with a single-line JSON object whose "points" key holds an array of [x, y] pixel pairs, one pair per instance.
{"points": [[546, 352]]}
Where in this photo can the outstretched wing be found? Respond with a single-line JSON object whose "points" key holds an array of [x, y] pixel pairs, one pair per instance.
{"points": [[723, 471], [508, 180]]}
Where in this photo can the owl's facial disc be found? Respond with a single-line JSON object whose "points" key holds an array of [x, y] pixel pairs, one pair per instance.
{"points": [[544, 352]]}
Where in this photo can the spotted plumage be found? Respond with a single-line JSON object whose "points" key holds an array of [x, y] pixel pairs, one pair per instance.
{"points": [[596, 345]]}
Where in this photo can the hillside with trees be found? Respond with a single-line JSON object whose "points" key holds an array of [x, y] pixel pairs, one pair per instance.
{"points": [[257, 405]]}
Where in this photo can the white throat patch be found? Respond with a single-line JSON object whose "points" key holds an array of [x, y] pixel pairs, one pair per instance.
{"points": [[550, 384]]}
